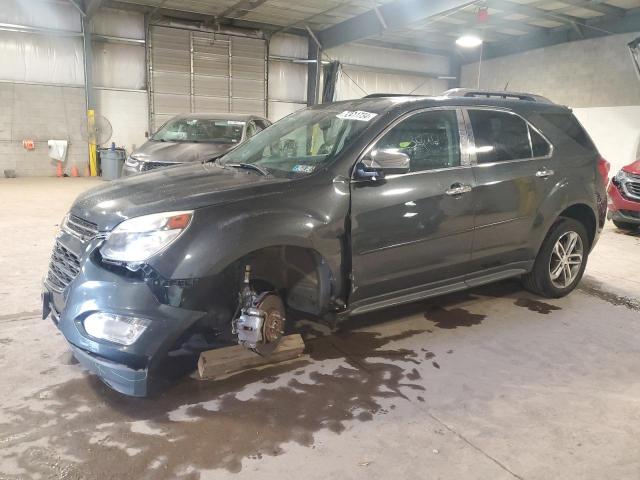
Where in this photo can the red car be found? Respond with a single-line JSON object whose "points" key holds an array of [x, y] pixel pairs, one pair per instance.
{"points": [[624, 197]]}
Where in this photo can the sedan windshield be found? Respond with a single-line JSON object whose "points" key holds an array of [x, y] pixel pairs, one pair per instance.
{"points": [[301, 143], [200, 130]]}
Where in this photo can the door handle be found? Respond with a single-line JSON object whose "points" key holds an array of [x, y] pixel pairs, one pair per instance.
{"points": [[458, 189], [544, 172]]}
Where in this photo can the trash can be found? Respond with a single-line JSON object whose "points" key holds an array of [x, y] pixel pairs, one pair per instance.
{"points": [[111, 162]]}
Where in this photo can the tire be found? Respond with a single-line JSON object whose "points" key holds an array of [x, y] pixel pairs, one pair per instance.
{"points": [[629, 227], [552, 259]]}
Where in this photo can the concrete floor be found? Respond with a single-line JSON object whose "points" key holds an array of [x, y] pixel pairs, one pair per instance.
{"points": [[489, 384]]}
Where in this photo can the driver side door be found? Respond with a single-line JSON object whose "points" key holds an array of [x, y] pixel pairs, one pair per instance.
{"points": [[412, 233]]}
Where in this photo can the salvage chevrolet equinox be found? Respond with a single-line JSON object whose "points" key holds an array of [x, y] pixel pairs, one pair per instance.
{"points": [[335, 210]]}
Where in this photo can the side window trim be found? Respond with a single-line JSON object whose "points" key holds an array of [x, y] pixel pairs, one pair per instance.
{"points": [[465, 160], [472, 143]]}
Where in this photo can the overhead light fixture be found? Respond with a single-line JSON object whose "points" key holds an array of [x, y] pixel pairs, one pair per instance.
{"points": [[469, 41]]}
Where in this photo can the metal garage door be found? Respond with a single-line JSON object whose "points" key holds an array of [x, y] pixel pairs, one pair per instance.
{"points": [[193, 71]]}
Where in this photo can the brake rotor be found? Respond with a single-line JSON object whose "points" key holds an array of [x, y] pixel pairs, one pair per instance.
{"points": [[273, 326]]}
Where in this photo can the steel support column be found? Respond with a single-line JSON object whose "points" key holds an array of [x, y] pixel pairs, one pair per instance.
{"points": [[313, 72]]}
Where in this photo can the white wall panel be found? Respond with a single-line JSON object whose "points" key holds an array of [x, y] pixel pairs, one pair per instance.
{"points": [[356, 83], [287, 81], [278, 110], [615, 131], [128, 114], [119, 23], [41, 59], [118, 65], [287, 45], [41, 13], [389, 58]]}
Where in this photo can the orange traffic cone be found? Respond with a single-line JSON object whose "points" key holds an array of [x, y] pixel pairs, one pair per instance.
{"points": [[74, 171], [87, 172], [59, 172]]}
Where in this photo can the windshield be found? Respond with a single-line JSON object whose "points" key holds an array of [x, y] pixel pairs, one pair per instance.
{"points": [[301, 143], [200, 130]]}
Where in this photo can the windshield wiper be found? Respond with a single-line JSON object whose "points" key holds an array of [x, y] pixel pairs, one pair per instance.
{"points": [[248, 166]]}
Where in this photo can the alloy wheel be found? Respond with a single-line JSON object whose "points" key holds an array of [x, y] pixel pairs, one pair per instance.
{"points": [[566, 259]]}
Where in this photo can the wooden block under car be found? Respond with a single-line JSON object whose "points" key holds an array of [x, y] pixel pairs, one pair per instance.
{"points": [[223, 361]]}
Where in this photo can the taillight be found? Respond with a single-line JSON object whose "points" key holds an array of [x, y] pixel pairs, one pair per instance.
{"points": [[603, 168]]}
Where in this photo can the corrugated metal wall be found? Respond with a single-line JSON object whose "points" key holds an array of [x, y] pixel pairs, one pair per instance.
{"points": [[194, 71]]}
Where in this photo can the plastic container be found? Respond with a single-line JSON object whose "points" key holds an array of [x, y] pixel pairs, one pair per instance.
{"points": [[111, 162]]}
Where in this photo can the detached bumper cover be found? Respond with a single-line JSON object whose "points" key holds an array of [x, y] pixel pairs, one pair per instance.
{"points": [[119, 377]]}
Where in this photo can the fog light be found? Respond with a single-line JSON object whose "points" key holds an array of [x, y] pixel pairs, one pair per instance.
{"points": [[115, 328]]}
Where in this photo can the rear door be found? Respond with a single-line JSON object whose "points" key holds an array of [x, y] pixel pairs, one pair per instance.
{"points": [[413, 231], [514, 172]]}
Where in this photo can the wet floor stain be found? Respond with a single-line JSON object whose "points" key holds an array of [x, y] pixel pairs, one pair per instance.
{"points": [[178, 432], [453, 317], [537, 306], [5, 341], [435, 364], [594, 289]]}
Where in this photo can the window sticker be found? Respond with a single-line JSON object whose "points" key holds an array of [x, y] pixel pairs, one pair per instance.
{"points": [[356, 115], [234, 122], [303, 168]]}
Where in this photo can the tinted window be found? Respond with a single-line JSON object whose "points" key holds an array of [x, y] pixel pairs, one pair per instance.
{"points": [[200, 130], [430, 139], [571, 127], [540, 146], [499, 136]]}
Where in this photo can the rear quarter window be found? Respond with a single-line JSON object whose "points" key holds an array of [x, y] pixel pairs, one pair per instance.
{"points": [[568, 130]]}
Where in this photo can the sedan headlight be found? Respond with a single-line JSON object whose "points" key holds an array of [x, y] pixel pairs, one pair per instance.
{"points": [[120, 329], [135, 159], [620, 176], [139, 238]]}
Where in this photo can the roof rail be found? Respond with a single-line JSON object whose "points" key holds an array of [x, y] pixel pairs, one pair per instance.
{"points": [[471, 93], [380, 95]]}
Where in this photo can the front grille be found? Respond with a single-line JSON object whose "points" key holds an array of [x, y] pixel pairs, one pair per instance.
{"points": [[64, 267], [146, 166], [80, 228], [633, 188]]}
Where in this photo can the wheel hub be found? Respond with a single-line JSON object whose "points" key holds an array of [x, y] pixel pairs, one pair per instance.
{"points": [[566, 259]]}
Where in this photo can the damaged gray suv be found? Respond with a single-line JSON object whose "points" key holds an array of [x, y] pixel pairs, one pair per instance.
{"points": [[336, 210]]}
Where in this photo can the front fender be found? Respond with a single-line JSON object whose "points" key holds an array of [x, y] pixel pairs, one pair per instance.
{"points": [[312, 218]]}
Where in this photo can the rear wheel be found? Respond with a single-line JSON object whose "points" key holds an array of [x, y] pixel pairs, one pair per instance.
{"points": [[625, 226], [561, 260]]}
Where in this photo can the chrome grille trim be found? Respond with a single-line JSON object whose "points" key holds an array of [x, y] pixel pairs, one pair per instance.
{"points": [[80, 228], [63, 267]]}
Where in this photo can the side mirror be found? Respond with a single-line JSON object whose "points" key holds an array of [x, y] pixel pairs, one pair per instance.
{"points": [[383, 161]]}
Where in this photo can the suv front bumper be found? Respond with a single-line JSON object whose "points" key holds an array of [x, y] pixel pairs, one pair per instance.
{"points": [[129, 369]]}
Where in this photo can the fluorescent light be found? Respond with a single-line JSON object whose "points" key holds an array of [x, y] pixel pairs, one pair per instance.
{"points": [[469, 41]]}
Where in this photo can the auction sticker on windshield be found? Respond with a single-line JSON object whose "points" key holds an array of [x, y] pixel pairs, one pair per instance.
{"points": [[356, 115]]}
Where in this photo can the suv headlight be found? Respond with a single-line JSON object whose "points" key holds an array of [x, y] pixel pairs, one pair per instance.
{"points": [[137, 239]]}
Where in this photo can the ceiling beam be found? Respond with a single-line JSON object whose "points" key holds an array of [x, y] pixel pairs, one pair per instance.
{"points": [[79, 5], [592, 28], [201, 17], [495, 21], [396, 14], [510, 7], [92, 7], [423, 47], [596, 6], [241, 8]]}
